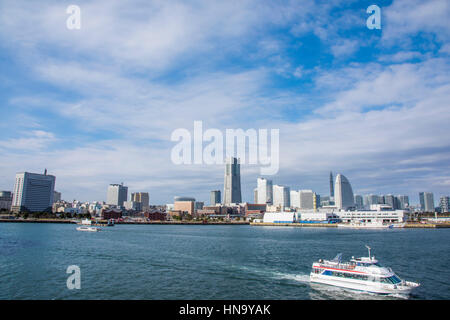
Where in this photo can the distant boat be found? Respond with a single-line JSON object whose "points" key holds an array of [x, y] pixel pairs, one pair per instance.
{"points": [[86, 222], [88, 229]]}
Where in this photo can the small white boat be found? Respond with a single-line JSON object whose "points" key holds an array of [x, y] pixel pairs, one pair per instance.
{"points": [[363, 274], [88, 229]]}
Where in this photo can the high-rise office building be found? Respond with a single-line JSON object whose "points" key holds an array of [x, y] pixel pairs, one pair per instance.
{"points": [[142, 198], [215, 197], [359, 203], [295, 199], [56, 196], [403, 201], [265, 191], [232, 182], [343, 193], [33, 192], [5, 200], [307, 199], [426, 201], [117, 194], [281, 196], [444, 204], [255, 195], [389, 200], [369, 200], [331, 186]]}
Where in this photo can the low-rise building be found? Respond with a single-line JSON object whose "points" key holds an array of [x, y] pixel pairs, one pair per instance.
{"points": [[280, 217]]}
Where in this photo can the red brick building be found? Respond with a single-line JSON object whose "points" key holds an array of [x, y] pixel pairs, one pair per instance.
{"points": [[155, 215]]}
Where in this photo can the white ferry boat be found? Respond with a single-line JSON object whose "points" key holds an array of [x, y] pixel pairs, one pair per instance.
{"points": [[89, 229], [363, 274]]}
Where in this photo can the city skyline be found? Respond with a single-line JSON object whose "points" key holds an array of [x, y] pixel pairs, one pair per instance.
{"points": [[118, 193], [372, 104]]}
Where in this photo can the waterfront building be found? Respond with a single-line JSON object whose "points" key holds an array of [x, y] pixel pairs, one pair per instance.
{"points": [[280, 217], [5, 200], [281, 196], [359, 203], [264, 191], [343, 195], [142, 198], [320, 216], [426, 201], [215, 197], [381, 213], [185, 205], [117, 194], [232, 182], [444, 203], [33, 192]]}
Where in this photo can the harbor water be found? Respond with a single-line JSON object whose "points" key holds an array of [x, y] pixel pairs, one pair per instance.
{"points": [[208, 262]]}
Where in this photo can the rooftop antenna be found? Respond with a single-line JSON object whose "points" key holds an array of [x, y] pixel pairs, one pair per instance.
{"points": [[45, 172], [369, 251]]}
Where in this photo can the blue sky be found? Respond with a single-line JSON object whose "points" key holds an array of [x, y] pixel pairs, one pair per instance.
{"points": [[98, 105]]}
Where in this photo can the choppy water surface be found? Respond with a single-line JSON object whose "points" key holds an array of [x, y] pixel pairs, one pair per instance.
{"points": [[208, 262]]}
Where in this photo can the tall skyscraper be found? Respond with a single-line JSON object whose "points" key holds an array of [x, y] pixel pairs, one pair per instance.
{"points": [[215, 197], [331, 186], [56, 196], [295, 199], [389, 200], [33, 192], [359, 202], [232, 182], [117, 194], [307, 199], [370, 200], [426, 201], [142, 198], [403, 201], [265, 191], [5, 200], [281, 196], [343, 195], [444, 204]]}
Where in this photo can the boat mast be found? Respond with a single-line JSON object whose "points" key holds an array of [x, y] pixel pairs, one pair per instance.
{"points": [[369, 251]]}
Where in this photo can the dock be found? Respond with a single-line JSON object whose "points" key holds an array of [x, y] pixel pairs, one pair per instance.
{"points": [[271, 224]]}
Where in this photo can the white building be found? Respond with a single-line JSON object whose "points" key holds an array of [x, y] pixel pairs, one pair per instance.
{"points": [[33, 192], [295, 199], [264, 191], [280, 217], [383, 215], [318, 216], [281, 196], [117, 194], [343, 193]]}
